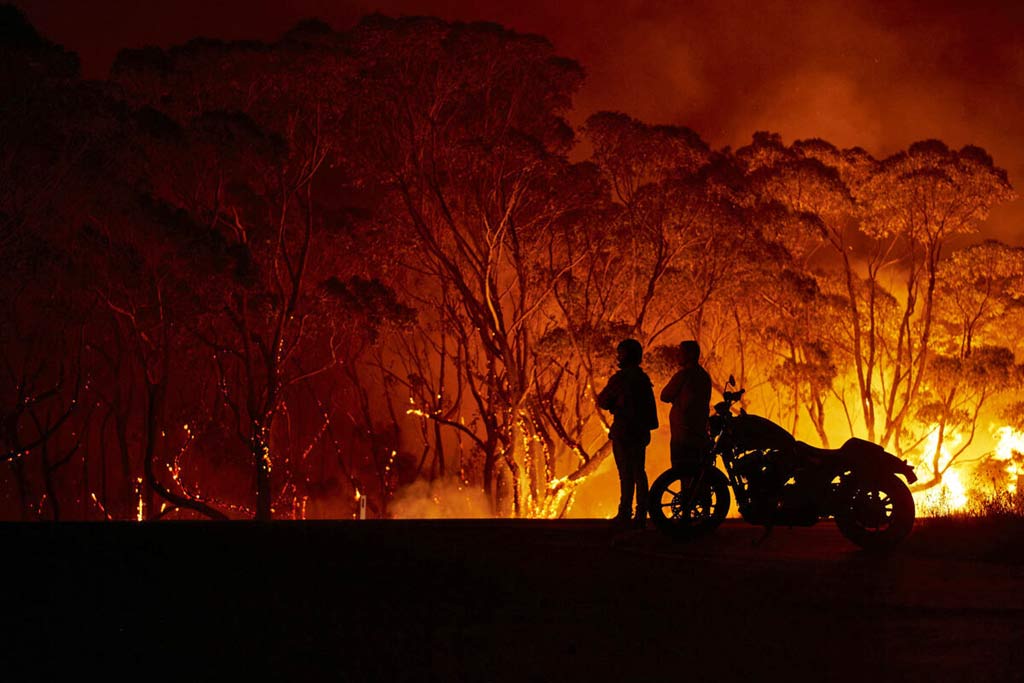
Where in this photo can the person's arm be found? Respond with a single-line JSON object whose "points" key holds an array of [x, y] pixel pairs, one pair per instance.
{"points": [[608, 397], [671, 390], [705, 391], [652, 408], [685, 395]]}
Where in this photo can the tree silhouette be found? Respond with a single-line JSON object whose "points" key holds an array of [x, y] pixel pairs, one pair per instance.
{"points": [[923, 197], [976, 287], [462, 126], [257, 136]]}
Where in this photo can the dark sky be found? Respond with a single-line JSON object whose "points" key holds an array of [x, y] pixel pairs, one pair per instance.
{"points": [[856, 72]]}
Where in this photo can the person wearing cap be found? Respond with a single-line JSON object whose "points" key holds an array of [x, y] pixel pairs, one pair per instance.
{"points": [[629, 396], [689, 392]]}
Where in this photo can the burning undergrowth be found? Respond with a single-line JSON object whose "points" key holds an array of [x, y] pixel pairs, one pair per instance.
{"points": [[440, 499], [983, 486]]}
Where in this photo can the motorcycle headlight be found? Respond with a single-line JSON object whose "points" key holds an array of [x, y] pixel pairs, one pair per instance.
{"points": [[715, 422]]}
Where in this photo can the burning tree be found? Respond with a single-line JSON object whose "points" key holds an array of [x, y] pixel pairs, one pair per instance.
{"points": [[462, 128], [973, 355], [919, 199], [257, 124], [807, 206], [857, 226], [54, 130]]}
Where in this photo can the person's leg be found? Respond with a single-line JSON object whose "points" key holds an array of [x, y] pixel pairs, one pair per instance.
{"points": [[688, 451], [623, 462], [640, 476], [677, 452]]}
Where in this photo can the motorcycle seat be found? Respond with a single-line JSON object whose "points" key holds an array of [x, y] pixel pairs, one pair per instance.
{"points": [[817, 455]]}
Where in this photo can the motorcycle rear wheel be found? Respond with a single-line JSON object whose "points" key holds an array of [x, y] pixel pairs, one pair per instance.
{"points": [[685, 504], [876, 513]]}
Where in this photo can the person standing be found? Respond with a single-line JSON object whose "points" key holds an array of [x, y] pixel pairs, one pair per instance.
{"points": [[689, 392], [629, 396]]}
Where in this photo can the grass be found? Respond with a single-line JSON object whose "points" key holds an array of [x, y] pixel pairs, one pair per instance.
{"points": [[988, 528], [993, 506]]}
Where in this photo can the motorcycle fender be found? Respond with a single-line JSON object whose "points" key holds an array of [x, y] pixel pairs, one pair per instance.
{"points": [[864, 458]]}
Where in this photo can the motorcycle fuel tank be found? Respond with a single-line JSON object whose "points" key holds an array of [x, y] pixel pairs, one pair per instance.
{"points": [[754, 432]]}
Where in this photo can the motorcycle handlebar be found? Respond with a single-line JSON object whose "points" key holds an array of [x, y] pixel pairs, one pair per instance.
{"points": [[733, 396]]}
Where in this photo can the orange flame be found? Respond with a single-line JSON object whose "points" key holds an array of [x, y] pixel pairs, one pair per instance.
{"points": [[1010, 449]]}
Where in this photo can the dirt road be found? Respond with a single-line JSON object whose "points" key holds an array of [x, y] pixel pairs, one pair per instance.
{"points": [[499, 601]]}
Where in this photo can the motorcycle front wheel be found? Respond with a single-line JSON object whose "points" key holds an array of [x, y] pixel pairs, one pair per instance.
{"points": [[876, 513], [685, 504]]}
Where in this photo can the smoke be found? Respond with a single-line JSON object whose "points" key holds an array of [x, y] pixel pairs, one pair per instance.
{"points": [[440, 499], [857, 73]]}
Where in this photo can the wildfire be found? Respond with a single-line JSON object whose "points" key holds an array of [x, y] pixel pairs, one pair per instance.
{"points": [[954, 493], [558, 498], [99, 505], [951, 494], [1010, 449]]}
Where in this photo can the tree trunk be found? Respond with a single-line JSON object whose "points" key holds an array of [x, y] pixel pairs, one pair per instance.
{"points": [[817, 415], [51, 490], [154, 406], [128, 482], [259, 445], [488, 481], [19, 477]]}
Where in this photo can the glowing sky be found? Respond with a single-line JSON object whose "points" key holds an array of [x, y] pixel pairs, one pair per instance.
{"points": [[855, 72]]}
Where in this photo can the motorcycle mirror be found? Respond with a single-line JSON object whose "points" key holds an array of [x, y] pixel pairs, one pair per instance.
{"points": [[732, 381]]}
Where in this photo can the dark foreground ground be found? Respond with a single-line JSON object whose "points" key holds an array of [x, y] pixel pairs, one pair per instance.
{"points": [[505, 601]]}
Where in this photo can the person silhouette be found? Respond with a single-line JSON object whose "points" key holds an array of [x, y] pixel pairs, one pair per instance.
{"points": [[629, 396], [689, 392]]}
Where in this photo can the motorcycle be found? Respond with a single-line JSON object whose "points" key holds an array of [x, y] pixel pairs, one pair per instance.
{"points": [[777, 480]]}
